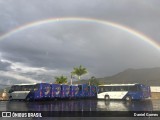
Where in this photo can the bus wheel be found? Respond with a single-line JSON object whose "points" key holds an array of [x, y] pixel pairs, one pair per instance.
{"points": [[128, 98], [106, 97]]}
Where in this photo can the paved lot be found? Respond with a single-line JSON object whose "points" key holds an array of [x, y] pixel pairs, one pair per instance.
{"points": [[82, 105]]}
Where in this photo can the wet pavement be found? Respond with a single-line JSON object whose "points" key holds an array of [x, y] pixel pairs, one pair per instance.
{"points": [[81, 105]]}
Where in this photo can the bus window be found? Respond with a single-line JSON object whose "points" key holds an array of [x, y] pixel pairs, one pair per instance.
{"points": [[27, 88], [24, 88], [108, 88], [14, 88], [139, 88], [30, 87], [17, 88], [113, 88], [116, 88], [133, 88], [36, 87], [102, 89], [123, 88]]}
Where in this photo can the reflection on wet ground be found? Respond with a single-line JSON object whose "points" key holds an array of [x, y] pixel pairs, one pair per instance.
{"points": [[81, 105]]}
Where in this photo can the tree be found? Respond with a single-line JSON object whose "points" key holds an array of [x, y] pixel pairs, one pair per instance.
{"points": [[94, 81], [79, 71], [61, 79]]}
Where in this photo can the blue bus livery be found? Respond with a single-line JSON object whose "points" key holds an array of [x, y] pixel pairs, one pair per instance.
{"points": [[83, 91], [64, 91], [56, 91], [92, 91], [46, 90], [73, 91]]}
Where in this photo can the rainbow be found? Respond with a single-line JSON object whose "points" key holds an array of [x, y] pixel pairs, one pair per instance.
{"points": [[91, 20]]}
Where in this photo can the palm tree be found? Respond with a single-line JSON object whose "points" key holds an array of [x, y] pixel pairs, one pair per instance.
{"points": [[61, 79], [79, 71]]}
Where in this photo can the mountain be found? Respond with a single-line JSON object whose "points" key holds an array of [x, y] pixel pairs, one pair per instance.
{"points": [[148, 76]]}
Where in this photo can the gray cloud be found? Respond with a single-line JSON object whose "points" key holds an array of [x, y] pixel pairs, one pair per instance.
{"points": [[65, 45]]}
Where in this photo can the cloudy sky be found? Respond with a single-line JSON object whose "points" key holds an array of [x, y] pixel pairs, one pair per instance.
{"points": [[41, 52]]}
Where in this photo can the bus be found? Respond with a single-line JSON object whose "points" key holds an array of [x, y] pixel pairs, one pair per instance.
{"points": [[126, 92], [73, 91], [56, 91], [34, 91]]}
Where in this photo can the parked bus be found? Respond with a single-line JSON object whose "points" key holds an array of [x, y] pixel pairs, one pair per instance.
{"points": [[35, 91], [83, 91], [92, 91], [64, 91], [73, 91], [124, 91], [56, 91]]}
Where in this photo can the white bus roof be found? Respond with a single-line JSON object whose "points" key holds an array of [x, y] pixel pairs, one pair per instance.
{"points": [[118, 84], [27, 84]]}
